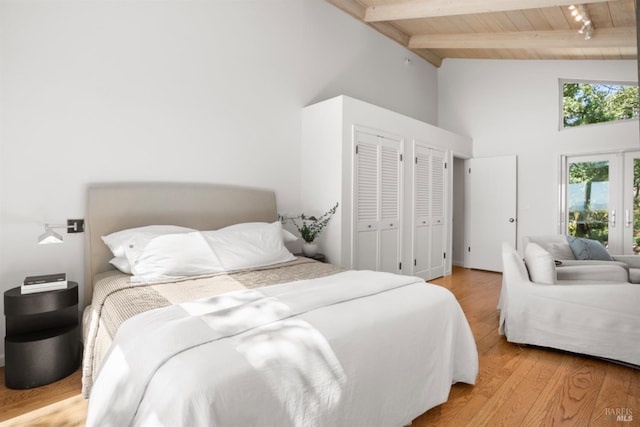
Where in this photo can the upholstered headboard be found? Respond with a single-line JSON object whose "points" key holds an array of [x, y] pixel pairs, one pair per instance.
{"points": [[117, 206]]}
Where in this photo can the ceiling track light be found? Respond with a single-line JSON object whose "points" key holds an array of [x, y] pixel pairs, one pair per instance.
{"points": [[580, 14]]}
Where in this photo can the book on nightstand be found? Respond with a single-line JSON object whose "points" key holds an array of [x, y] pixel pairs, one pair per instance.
{"points": [[47, 282]]}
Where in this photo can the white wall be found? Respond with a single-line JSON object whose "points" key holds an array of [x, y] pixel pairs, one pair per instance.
{"points": [[512, 107], [199, 91]]}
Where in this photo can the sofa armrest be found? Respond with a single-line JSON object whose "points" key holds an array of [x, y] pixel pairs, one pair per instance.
{"points": [[611, 272], [632, 261]]}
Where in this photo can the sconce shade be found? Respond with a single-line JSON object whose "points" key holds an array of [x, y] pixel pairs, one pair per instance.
{"points": [[49, 236]]}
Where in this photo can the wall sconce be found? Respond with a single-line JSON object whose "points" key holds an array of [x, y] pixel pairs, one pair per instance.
{"points": [[580, 14], [50, 236]]}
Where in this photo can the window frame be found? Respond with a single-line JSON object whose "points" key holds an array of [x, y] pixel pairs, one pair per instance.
{"points": [[561, 83]]}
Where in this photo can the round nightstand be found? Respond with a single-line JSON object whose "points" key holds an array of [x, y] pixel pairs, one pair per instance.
{"points": [[317, 257], [42, 343]]}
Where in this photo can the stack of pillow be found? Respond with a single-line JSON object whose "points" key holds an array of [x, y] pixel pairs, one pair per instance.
{"points": [[541, 264], [161, 252]]}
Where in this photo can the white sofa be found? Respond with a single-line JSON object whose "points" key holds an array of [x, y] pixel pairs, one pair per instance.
{"points": [[559, 248], [587, 317]]}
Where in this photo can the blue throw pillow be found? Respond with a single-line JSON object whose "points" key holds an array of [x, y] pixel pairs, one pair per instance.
{"points": [[588, 249]]}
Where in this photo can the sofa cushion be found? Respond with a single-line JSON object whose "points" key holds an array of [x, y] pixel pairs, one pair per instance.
{"points": [[540, 264], [560, 251], [586, 249]]}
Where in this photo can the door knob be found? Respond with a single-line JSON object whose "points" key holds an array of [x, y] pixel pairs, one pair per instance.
{"points": [[512, 220]]}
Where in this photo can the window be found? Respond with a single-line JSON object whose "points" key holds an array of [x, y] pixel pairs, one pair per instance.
{"points": [[585, 103], [600, 199]]}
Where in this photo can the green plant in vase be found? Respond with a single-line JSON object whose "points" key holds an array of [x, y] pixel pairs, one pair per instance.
{"points": [[311, 227]]}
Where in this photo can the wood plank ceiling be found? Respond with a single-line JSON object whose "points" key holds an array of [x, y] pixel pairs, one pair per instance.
{"points": [[502, 29]]}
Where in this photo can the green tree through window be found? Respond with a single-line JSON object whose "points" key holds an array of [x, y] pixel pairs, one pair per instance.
{"points": [[588, 213], [587, 103]]}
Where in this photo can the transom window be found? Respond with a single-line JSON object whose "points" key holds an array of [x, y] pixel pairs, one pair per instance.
{"points": [[589, 102]]}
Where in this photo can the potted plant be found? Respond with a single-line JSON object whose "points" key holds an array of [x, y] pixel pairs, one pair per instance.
{"points": [[310, 227]]}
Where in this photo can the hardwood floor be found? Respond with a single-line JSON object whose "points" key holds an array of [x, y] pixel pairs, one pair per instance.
{"points": [[14, 403], [516, 386], [528, 386]]}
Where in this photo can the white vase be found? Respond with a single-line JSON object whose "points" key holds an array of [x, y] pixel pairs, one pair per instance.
{"points": [[309, 249]]}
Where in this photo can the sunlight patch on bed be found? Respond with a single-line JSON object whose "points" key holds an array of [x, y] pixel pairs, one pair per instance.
{"points": [[118, 370], [238, 312], [299, 366]]}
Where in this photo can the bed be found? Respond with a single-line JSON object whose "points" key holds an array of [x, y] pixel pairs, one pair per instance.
{"points": [[289, 342]]}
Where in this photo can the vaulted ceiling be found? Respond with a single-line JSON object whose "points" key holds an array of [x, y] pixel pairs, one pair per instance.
{"points": [[503, 29]]}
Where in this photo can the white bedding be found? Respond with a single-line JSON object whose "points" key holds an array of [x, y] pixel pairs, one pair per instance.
{"points": [[354, 348]]}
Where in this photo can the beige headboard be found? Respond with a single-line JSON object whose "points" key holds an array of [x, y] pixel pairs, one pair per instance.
{"points": [[118, 206]]}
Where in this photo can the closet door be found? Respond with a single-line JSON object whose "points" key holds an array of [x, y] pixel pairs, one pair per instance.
{"points": [[429, 212], [366, 191], [377, 201], [438, 200], [390, 192]]}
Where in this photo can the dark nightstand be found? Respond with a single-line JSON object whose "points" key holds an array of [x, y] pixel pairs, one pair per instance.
{"points": [[317, 257], [42, 343]]}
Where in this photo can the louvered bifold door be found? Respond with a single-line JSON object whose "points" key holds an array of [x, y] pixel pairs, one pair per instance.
{"points": [[390, 192], [429, 206], [377, 193], [438, 213], [422, 209], [366, 202]]}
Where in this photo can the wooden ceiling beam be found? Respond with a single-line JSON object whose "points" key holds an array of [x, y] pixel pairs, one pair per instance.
{"points": [[605, 37], [414, 9]]}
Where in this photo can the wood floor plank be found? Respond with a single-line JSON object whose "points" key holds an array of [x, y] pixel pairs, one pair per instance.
{"points": [[633, 399], [569, 398], [527, 378], [18, 402], [516, 406], [70, 412], [613, 393]]}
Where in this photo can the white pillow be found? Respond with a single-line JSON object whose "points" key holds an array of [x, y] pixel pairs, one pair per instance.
{"points": [[121, 263], [249, 245], [560, 251], [199, 253], [174, 255], [287, 236], [118, 240], [540, 264]]}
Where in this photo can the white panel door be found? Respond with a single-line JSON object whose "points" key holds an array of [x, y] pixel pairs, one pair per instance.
{"points": [[377, 202], [429, 212], [492, 201]]}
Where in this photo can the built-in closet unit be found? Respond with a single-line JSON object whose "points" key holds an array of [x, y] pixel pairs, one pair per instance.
{"points": [[390, 174]]}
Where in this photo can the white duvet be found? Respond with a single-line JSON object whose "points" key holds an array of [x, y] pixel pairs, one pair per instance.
{"points": [[355, 348]]}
